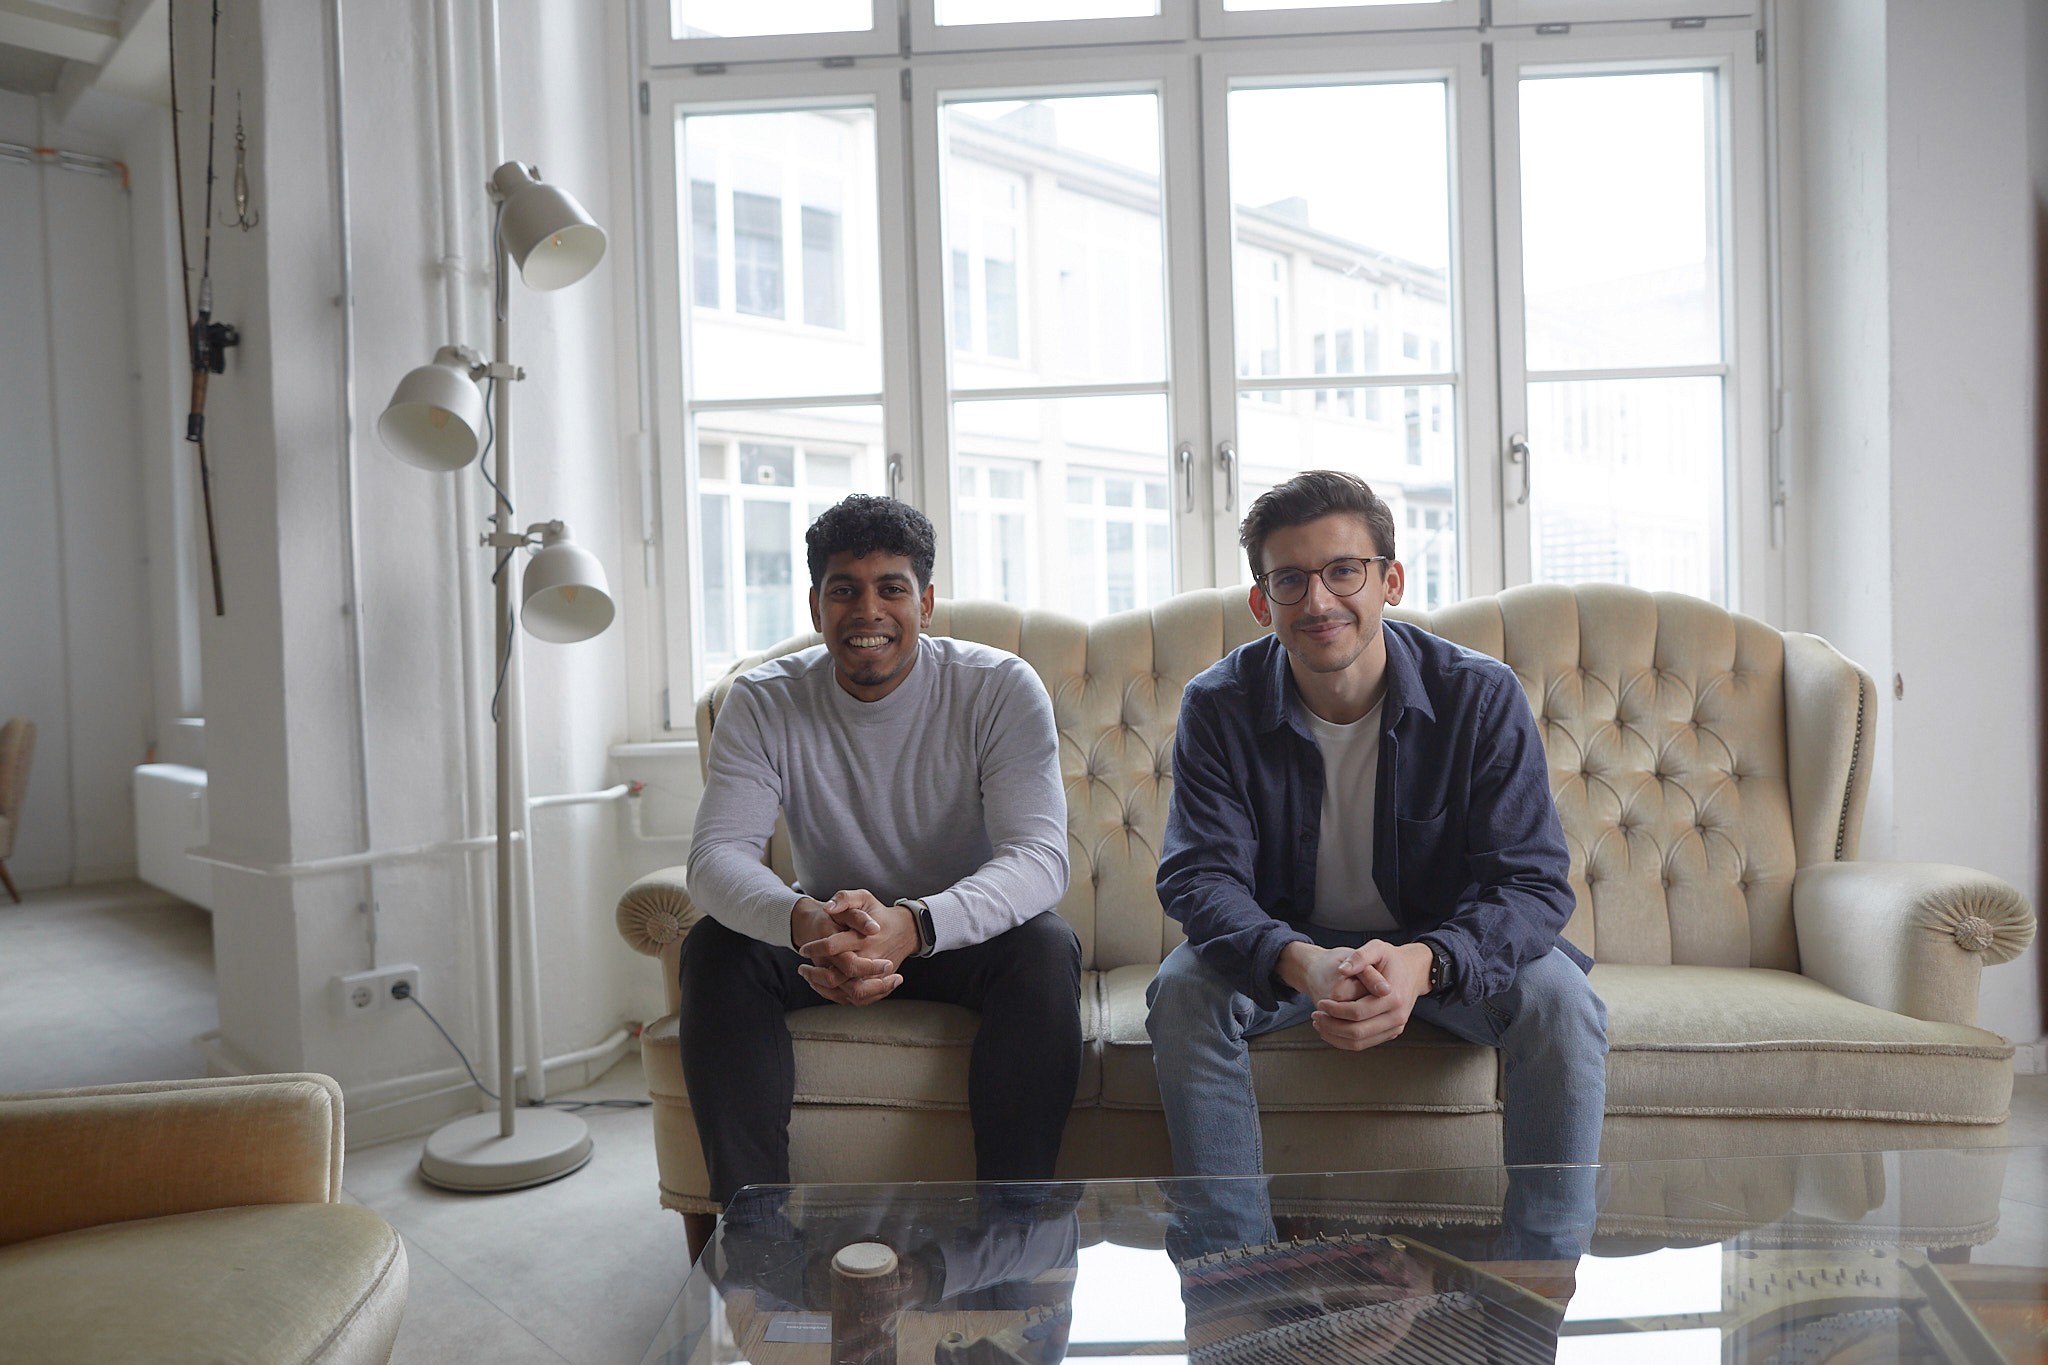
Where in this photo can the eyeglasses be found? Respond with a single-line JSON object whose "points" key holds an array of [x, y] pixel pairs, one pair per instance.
{"points": [[1343, 576]]}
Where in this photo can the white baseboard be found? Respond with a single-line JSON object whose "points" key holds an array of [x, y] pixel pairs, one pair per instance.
{"points": [[221, 1057], [2031, 1059]]}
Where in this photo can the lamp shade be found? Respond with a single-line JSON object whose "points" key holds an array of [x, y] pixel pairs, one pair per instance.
{"points": [[546, 232], [435, 418], [564, 594]]}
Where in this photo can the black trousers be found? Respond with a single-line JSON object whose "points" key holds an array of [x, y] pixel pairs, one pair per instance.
{"points": [[740, 1068]]}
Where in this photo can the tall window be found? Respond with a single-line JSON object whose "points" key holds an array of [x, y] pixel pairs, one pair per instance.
{"points": [[1082, 278], [783, 346]]}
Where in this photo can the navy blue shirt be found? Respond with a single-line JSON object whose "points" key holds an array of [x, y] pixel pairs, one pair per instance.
{"points": [[1467, 847]]}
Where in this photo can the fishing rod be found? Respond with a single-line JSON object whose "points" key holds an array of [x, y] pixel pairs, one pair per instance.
{"points": [[209, 340]]}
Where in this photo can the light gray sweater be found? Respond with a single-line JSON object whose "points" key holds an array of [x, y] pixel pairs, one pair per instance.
{"points": [[947, 789]]}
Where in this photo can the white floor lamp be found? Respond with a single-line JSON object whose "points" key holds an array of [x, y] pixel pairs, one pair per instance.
{"points": [[436, 419]]}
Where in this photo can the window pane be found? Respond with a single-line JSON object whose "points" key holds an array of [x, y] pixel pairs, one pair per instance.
{"points": [[704, 244], [1620, 220], [788, 464], [757, 254], [1075, 515], [1625, 483], [1316, 4], [1353, 258], [1022, 11], [1413, 468], [821, 269], [1082, 172], [801, 313], [755, 18], [715, 594], [769, 537]]}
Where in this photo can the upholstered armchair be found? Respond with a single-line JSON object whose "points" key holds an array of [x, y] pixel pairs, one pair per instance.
{"points": [[189, 1220], [17, 747]]}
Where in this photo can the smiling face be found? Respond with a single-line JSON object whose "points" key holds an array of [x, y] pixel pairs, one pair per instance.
{"points": [[870, 611], [1332, 642]]}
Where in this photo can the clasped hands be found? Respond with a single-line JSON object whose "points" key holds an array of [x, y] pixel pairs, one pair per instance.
{"points": [[852, 945], [1363, 995]]}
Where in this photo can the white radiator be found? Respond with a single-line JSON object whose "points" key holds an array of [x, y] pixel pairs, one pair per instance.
{"points": [[170, 817]]}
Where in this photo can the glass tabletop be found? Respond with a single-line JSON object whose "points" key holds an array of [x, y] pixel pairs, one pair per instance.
{"points": [[1933, 1255]]}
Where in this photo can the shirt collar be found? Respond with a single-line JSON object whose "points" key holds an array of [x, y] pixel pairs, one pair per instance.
{"points": [[1278, 698]]}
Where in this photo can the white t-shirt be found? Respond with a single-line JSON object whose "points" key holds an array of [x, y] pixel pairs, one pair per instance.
{"points": [[1345, 895]]}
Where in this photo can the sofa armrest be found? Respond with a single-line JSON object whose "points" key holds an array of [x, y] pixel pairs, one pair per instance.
{"points": [[111, 1153], [655, 916], [1912, 938]]}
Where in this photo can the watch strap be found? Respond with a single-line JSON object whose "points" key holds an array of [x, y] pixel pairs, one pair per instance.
{"points": [[1442, 969], [921, 914]]}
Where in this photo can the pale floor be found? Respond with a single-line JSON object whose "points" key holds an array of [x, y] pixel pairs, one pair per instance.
{"points": [[112, 983]]}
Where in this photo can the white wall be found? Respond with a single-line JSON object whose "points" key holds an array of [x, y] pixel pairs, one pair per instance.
{"points": [[74, 642], [286, 783], [1918, 449]]}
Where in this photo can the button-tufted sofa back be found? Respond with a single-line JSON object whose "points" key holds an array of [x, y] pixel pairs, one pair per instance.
{"points": [[1698, 757]]}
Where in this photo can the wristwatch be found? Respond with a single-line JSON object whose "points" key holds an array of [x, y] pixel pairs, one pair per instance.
{"points": [[927, 937], [1442, 969]]}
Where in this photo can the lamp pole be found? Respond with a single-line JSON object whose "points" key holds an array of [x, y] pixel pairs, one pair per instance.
{"points": [[511, 713], [435, 420]]}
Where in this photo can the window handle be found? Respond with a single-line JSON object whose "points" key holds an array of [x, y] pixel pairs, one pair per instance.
{"points": [[1226, 460], [1518, 453], [1185, 458], [895, 475]]}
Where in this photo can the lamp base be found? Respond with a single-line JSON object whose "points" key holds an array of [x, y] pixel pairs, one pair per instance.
{"points": [[470, 1154]]}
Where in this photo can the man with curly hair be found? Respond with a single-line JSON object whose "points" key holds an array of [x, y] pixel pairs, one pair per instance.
{"points": [[919, 778]]}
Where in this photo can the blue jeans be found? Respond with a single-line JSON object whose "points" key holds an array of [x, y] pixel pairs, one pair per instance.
{"points": [[1549, 1027]]}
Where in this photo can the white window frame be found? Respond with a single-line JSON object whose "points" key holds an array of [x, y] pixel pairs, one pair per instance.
{"points": [[1385, 61], [670, 97], [1596, 15], [1191, 77], [1753, 577], [663, 49], [1171, 78], [1214, 21], [1172, 22]]}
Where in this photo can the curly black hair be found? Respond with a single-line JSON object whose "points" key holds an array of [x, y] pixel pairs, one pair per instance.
{"points": [[862, 524]]}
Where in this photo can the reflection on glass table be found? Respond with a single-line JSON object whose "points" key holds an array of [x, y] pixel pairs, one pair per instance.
{"points": [[1931, 1256]]}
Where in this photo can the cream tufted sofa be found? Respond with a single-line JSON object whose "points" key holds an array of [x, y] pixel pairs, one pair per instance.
{"points": [[1766, 991]]}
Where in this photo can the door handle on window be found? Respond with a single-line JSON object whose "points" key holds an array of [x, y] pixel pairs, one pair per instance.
{"points": [[1518, 453], [1226, 460], [895, 475], [1185, 458]]}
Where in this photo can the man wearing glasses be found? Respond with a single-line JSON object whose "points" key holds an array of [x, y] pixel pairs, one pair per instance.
{"points": [[1361, 834]]}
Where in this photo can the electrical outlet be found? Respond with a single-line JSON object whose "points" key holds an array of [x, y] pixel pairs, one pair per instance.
{"points": [[367, 992]]}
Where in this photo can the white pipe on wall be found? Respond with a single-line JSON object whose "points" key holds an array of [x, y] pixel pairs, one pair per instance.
{"points": [[458, 296], [526, 936], [352, 548]]}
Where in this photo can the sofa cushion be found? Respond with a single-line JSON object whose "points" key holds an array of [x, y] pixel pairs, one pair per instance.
{"points": [[899, 1054], [264, 1283], [1748, 1041], [1426, 1071]]}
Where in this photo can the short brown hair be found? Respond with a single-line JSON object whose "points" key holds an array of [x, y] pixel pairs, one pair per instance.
{"points": [[1307, 496]]}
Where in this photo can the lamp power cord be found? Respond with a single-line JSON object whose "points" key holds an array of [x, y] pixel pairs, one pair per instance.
{"points": [[403, 991]]}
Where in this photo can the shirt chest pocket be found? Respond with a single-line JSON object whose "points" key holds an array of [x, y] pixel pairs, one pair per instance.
{"points": [[1432, 861]]}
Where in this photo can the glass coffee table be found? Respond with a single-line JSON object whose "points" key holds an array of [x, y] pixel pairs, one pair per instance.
{"points": [[1933, 1256]]}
